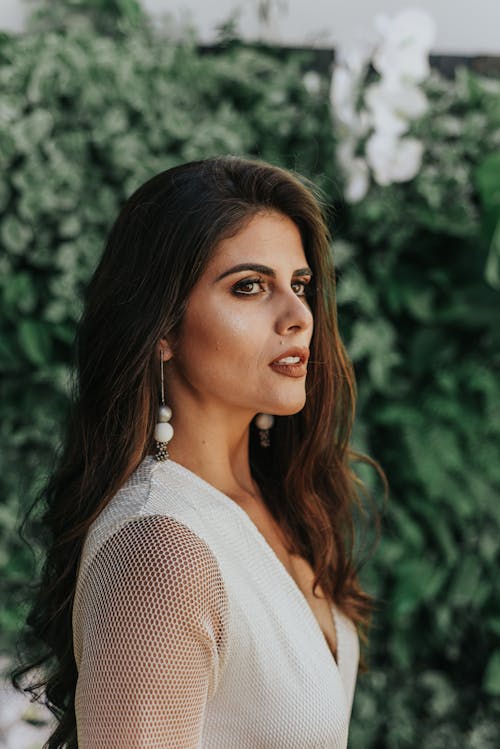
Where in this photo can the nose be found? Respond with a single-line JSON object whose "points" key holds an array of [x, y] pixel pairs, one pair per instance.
{"points": [[294, 315]]}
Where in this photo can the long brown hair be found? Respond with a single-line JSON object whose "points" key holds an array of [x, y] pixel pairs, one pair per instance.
{"points": [[157, 249]]}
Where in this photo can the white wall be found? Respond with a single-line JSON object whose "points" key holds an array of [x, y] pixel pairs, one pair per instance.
{"points": [[464, 26]]}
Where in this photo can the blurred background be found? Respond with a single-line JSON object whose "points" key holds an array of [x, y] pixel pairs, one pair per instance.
{"points": [[461, 27], [394, 113]]}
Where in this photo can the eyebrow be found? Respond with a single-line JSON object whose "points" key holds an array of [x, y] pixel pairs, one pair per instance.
{"points": [[264, 269]]}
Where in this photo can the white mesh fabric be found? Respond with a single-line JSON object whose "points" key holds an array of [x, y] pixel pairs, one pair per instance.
{"points": [[154, 623], [188, 631]]}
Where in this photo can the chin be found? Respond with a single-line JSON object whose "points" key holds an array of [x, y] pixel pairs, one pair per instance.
{"points": [[287, 409]]}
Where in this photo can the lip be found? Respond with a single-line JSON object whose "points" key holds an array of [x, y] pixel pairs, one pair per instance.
{"points": [[292, 370]]}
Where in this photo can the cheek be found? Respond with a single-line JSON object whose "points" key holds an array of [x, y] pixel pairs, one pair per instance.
{"points": [[221, 338]]}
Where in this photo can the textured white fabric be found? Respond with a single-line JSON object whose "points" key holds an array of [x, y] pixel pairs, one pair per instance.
{"points": [[189, 632]]}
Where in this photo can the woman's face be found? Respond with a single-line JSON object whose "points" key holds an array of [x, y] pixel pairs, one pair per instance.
{"points": [[248, 309]]}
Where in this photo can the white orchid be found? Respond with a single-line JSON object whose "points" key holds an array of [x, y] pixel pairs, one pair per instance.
{"points": [[407, 40], [356, 57], [393, 159], [358, 180], [343, 96], [348, 74], [392, 105], [385, 110], [345, 151], [355, 170]]}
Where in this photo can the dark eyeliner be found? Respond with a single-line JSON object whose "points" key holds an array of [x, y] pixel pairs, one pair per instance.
{"points": [[307, 287], [245, 282]]}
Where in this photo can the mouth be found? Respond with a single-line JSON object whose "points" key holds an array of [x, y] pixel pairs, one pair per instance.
{"points": [[292, 363]]}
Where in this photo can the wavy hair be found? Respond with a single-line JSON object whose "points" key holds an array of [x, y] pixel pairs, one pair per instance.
{"points": [[156, 251]]}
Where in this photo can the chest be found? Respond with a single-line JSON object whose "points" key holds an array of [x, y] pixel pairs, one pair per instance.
{"points": [[300, 571]]}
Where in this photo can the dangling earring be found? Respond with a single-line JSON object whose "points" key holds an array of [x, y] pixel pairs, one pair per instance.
{"points": [[264, 423], [163, 430]]}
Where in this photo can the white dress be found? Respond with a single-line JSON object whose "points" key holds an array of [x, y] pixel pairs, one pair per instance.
{"points": [[190, 633]]}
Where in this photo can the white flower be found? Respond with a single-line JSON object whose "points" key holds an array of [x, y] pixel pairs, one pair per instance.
{"points": [[348, 75], [355, 170], [407, 39], [392, 104], [345, 151], [343, 94], [383, 111], [384, 115], [312, 81], [393, 159], [358, 180], [355, 57]]}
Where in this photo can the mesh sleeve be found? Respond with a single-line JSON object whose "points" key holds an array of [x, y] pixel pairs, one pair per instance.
{"points": [[154, 622]]}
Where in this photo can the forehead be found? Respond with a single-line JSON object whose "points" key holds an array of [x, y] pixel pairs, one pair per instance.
{"points": [[271, 237]]}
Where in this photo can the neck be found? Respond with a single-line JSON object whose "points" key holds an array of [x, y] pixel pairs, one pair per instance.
{"points": [[216, 450]]}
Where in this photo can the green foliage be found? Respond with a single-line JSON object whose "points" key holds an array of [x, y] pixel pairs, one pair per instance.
{"points": [[419, 311], [488, 184], [92, 108]]}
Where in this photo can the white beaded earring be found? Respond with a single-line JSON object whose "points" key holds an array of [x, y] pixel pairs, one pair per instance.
{"points": [[264, 423], [163, 430]]}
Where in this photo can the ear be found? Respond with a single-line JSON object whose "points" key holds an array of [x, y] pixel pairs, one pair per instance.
{"points": [[163, 345]]}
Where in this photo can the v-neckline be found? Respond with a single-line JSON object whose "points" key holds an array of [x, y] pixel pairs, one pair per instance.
{"points": [[292, 584]]}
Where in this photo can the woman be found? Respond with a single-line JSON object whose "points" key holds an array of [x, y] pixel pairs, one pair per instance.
{"points": [[200, 588]]}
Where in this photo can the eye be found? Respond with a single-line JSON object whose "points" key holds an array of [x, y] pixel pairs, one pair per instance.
{"points": [[248, 287], [302, 287]]}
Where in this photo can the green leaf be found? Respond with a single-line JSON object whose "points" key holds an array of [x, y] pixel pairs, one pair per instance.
{"points": [[35, 341], [491, 679], [493, 623], [492, 267], [487, 177], [465, 581], [19, 294], [8, 355], [15, 235], [418, 580]]}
